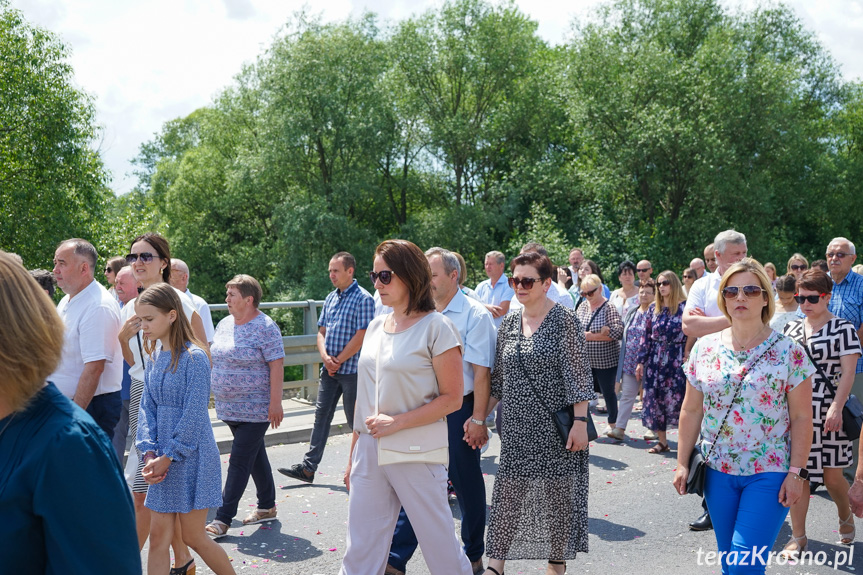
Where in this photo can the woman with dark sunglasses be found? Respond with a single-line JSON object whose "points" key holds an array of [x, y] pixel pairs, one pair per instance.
{"points": [[833, 344], [150, 260], [797, 264], [540, 366]]}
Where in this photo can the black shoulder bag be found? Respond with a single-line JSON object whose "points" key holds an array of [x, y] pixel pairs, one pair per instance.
{"points": [[563, 418], [697, 461]]}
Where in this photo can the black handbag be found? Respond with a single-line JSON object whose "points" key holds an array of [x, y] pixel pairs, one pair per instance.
{"points": [[697, 460], [852, 413]]}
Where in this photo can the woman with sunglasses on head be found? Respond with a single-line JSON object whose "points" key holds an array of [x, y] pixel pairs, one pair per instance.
{"points": [[150, 260], [786, 307], [540, 367], [660, 359], [749, 396], [833, 345], [797, 264], [409, 378], [603, 331]]}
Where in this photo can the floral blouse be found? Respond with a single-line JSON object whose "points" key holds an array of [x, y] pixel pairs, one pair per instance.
{"points": [[756, 434]]}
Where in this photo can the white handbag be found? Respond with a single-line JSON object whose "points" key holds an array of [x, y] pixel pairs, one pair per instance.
{"points": [[424, 444]]}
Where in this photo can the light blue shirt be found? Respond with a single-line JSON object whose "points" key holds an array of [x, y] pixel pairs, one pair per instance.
{"points": [[495, 294], [474, 324]]}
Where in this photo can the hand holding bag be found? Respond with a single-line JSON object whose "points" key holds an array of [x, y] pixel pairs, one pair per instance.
{"points": [[422, 444]]}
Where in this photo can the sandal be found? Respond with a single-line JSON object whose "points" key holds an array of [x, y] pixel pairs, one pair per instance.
{"points": [[793, 554], [659, 448], [187, 569], [847, 538], [260, 516], [216, 529], [493, 570], [553, 562]]}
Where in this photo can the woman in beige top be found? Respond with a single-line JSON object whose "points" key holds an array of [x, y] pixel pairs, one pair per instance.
{"points": [[409, 375]]}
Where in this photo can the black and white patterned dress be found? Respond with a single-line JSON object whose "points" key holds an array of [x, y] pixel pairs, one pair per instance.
{"points": [[835, 339], [539, 502]]}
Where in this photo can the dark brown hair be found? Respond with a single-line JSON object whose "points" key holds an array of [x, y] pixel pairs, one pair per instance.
{"points": [[164, 298], [786, 283], [536, 260], [594, 269], [409, 263], [160, 244], [116, 263], [816, 280]]}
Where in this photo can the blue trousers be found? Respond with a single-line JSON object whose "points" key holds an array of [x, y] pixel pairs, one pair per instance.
{"points": [[466, 476], [105, 411], [332, 387], [746, 515]]}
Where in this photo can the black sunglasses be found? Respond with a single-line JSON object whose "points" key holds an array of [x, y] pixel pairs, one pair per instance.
{"points": [[731, 292], [800, 267], [526, 283], [145, 257], [589, 293], [386, 276], [642, 270], [665, 282], [810, 298]]}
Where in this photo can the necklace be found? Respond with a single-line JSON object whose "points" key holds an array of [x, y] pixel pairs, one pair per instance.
{"points": [[736, 342]]}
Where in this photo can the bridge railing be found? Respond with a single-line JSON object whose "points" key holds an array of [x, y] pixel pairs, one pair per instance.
{"points": [[299, 349]]}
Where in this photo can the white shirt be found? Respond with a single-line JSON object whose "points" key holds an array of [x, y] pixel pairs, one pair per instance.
{"points": [[380, 308], [136, 371], [555, 293], [92, 320], [204, 312], [478, 334], [704, 295], [495, 294]]}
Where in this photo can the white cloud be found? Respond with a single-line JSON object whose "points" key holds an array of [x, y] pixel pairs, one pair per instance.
{"points": [[149, 62]]}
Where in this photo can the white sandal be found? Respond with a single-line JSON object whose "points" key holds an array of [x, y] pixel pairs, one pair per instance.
{"points": [[793, 554], [216, 529], [847, 538]]}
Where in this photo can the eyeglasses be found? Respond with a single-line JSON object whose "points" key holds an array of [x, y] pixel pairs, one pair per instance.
{"points": [[731, 292], [686, 277], [800, 267], [665, 282], [145, 257], [526, 283], [810, 298], [589, 293], [840, 255], [108, 270], [386, 276], [643, 270]]}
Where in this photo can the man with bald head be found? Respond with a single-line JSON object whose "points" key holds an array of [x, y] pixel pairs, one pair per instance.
{"points": [[697, 266], [180, 280], [644, 269], [710, 258]]}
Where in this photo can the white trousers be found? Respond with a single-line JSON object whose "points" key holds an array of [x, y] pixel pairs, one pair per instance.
{"points": [[628, 394], [377, 494]]}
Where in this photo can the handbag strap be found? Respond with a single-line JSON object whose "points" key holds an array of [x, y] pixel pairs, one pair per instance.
{"points": [[593, 316], [830, 386], [746, 369], [524, 369]]}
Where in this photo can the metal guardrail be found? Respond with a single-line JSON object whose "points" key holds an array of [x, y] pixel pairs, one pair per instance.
{"points": [[299, 349]]}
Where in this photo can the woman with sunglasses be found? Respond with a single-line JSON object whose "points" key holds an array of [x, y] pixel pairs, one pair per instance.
{"points": [[749, 396], [833, 344], [540, 367], [797, 264], [660, 358], [603, 332], [150, 260], [688, 279], [409, 377]]}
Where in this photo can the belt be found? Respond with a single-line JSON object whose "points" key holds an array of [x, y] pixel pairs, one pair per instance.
{"points": [[468, 397]]}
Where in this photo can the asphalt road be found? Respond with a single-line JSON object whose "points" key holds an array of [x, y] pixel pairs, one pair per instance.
{"points": [[638, 523]]}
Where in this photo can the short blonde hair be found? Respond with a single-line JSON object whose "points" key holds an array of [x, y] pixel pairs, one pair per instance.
{"points": [[752, 266], [590, 280], [31, 339]]}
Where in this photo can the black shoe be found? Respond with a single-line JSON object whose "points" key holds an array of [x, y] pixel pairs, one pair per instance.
{"points": [[299, 472], [703, 523]]}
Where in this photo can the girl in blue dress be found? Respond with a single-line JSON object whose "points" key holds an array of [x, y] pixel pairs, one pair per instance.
{"points": [[175, 435]]}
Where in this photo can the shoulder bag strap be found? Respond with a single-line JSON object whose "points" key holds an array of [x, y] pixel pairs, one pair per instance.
{"points": [[140, 349], [593, 316], [830, 386], [524, 369]]}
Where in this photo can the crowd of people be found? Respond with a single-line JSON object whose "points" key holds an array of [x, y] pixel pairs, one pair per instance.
{"points": [[753, 368]]}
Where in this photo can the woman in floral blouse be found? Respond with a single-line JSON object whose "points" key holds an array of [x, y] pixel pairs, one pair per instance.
{"points": [[744, 394]]}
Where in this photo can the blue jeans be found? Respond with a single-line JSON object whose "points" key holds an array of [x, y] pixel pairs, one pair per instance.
{"points": [[331, 388], [746, 515], [248, 458], [466, 476], [105, 411]]}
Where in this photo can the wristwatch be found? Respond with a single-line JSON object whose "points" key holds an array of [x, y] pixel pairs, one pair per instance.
{"points": [[801, 473], [477, 421]]}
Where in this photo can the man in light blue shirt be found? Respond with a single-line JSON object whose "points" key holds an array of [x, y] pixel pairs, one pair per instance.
{"points": [[495, 292], [467, 430]]}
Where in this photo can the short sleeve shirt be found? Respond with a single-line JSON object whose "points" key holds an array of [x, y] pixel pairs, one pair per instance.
{"points": [[756, 435], [406, 379], [344, 313], [847, 302], [241, 372], [495, 294], [477, 332], [704, 295]]}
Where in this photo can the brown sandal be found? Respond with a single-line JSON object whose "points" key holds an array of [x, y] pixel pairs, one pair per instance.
{"points": [[659, 448]]}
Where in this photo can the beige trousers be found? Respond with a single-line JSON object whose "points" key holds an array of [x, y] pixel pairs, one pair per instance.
{"points": [[377, 494]]}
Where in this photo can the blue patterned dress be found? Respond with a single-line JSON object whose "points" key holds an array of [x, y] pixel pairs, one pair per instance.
{"points": [[174, 421], [661, 352]]}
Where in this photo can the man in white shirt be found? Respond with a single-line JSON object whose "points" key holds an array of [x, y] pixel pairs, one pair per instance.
{"points": [[467, 430], [180, 280], [495, 292], [702, 315], [91, 368], [555, 292], [710, 258], [697, 265]]}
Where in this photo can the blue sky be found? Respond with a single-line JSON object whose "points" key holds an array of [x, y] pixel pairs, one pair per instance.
{"points": [[149, 62]]}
